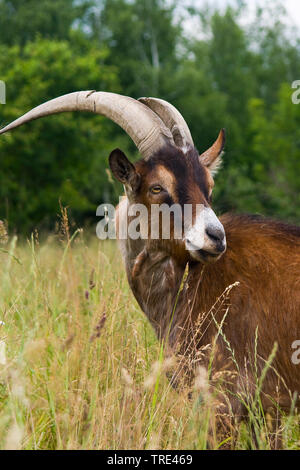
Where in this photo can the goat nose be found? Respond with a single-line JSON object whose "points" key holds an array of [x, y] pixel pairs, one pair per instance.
{"points": [[217, 235]]}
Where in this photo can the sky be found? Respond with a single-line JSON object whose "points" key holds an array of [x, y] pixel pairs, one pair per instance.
{"points": [[292, 7]]}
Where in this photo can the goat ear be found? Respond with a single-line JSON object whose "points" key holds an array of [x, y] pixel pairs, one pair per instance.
{"points": [[123, 169], [212, 158]]}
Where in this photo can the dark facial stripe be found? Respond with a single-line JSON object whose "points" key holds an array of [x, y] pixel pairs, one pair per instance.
{"points": [[186, 169]]}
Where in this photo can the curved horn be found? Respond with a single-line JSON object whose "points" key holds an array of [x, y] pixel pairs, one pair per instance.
{"points": [[145, 128], [172, 119]]}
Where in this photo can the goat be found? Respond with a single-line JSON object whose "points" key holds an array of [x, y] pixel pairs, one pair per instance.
{"points": [[262, 256], [241, 322]]}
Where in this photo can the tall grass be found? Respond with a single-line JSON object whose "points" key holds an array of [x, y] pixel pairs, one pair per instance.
{"points": [[80, 367]]}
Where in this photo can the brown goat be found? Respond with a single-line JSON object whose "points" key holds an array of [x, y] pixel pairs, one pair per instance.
{"points": [[260, 310], [235, 304]]}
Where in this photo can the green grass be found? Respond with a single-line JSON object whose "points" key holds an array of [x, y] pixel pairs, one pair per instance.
{"points": [[82, 368]]}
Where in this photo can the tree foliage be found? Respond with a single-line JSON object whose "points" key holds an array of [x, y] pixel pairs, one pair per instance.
{"points": [[21, 21], [59, 158]]}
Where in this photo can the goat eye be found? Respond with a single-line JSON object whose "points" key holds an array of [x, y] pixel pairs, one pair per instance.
{"points": [[156, 189]]}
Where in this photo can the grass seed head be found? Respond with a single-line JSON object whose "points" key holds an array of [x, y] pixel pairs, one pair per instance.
{"points": [[3, 233]]}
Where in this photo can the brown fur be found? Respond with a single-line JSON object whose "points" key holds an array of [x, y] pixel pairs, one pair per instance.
{"points": [[263, 256]]}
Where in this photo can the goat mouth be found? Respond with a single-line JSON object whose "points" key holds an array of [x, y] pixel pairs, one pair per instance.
{"points": [[205, 256]]}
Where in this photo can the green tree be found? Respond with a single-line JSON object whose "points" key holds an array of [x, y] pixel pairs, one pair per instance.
{"points": [[278, 50], [21, 21], [59, 158], [142, 38], [247, 67], [276, 146]]}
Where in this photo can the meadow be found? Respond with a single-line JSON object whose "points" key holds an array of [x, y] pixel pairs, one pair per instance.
{"points": [[80, 367]]}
